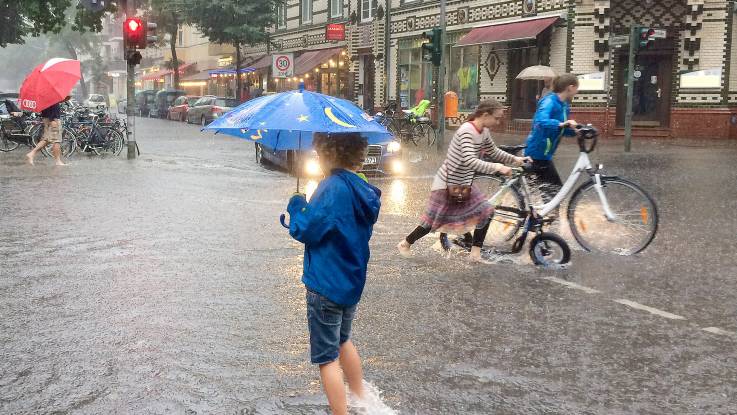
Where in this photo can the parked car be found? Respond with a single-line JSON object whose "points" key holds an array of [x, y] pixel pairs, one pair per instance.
{"points": [[381, 159], [209, 107], [145, 101], [164, 99], [178, 109], [95, 101]]}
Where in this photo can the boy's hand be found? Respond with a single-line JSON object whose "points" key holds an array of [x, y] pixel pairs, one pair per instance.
{"points": [[297, 202], [520, 161]]}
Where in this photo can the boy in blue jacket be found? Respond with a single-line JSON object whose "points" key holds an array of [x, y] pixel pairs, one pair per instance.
{"points": [[550, 124], [335, 227]]}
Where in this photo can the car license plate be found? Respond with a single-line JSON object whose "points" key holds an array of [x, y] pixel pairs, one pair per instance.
{"points": [[370, 160]]}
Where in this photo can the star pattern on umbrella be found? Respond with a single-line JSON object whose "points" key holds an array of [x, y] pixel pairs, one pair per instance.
{"points": [[303, 118]]}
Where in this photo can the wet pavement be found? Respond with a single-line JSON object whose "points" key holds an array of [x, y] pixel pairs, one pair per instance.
{"points": [[166, 285]]}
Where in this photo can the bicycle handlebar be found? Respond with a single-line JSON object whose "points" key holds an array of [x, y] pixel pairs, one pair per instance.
{"points": [[587, 132]]}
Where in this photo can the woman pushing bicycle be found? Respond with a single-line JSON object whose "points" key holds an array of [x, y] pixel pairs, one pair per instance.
{"points": [[455, 205], [549, 125]]}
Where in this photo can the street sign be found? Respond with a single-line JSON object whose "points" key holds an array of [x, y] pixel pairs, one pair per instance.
{"points": [[282, 65], [620, 40], [659, 34]]}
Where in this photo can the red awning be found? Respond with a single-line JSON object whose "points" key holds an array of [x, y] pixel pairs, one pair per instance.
{"points": [[261, 63], [313, 58], [504, 32], [155, 75]]}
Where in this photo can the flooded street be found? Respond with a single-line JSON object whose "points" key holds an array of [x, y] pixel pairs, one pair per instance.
{"points": [[167, 285]]}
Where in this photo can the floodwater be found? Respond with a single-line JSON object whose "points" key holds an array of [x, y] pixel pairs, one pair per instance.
{"points": [[167, 285]]}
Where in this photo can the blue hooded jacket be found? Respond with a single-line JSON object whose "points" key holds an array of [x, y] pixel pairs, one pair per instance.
{"points": [[546, 133], [335, 227]]}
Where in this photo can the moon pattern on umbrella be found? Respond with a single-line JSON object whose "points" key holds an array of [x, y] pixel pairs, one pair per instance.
{"points": [[333, 118]]}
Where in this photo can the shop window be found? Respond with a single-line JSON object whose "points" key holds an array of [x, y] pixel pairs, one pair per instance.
{"points": [[281, 15], [464, 75], [336, 8], [592, 82], [181, 38], [368, 9], [306, 11], [415, 77], [524, 93], [703, 79]]}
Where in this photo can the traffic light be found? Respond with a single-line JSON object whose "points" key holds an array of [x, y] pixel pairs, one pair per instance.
{"points": [[151, 37], [432, 50], [133, 34], [645, 37]]}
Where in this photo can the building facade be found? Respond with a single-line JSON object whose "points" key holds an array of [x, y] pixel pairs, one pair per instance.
{"points": [[684, 83]]}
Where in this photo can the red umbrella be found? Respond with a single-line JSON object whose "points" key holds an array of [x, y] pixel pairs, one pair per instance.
{"points": [[49, 84]]}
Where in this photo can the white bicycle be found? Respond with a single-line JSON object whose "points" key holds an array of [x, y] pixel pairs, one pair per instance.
{"points": [[605, 213]]}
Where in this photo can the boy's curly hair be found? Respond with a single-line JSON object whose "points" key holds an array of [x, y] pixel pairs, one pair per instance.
{"points": [[341, 150]]}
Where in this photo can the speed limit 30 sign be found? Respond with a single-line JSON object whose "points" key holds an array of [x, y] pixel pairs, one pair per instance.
{"points": [[282, 65]]}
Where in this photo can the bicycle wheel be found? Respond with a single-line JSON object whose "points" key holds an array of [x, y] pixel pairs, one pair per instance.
{"points": [[7, 145], [630, 232], [548, 249], [431, 135], [417, 134], [68, 144], [509, 209], [116, 142]]}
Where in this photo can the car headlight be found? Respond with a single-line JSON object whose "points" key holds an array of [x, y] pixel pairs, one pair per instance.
{"points": [[312, 168], [397, 167], [393, 147]]}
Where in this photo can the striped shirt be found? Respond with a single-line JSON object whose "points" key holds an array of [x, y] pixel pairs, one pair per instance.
{"points": [[464, 158]]}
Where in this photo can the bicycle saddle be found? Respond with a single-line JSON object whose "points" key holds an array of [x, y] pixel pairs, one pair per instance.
{"points": [[514, 150]]}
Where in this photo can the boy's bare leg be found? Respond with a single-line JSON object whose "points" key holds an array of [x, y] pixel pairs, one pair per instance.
{"points": [[56, 151], [350, 361], [30, 156], [332, 381]]}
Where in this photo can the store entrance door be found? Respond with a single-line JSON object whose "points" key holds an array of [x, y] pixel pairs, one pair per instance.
{"points": [[652, 90]]}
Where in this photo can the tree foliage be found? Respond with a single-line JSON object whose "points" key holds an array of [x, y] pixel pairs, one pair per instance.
{"points": [[20, 19]]}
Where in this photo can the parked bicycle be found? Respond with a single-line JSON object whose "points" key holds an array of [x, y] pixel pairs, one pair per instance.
{"points": [[605, 213], [27, 130], [409, 126], [92, 136]]}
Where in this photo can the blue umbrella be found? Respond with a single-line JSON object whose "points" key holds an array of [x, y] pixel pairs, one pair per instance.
{"points": [[287, 121]]}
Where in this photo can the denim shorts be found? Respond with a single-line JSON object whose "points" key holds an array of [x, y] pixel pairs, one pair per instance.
{"points": [[330, 326]]}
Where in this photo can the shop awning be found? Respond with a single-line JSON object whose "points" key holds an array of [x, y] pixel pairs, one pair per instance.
{"points": [[155, 75], [313, 58], [199, 76], [260, 63], [505, 32]]}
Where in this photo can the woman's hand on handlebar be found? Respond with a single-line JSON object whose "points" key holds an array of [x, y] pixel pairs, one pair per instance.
{"points": [[504, 170], [521, 161]]}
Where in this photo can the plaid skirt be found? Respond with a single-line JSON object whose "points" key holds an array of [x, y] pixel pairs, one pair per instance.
{"points": [[443, 215]]}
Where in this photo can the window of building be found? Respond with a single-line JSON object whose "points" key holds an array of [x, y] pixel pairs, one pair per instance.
{"points": [[281, 15], [336, 8], [306, 11], [463, 78], [368, 9], [414, 77], [180, 40], [703, 79]]}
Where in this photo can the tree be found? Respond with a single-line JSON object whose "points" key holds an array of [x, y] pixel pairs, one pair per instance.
{"points": [[234, 22], [20, 19], [168, 15]]}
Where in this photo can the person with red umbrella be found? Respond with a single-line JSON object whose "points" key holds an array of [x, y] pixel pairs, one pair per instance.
{"points": [[51, 117], [42, 91]]}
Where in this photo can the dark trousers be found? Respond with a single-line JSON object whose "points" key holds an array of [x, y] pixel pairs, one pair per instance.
{"points": [[545, 177], [478, 235]]}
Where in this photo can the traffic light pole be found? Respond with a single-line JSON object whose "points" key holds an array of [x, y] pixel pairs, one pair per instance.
{"points": [[440, 142], [130, 105], [634, 31]]}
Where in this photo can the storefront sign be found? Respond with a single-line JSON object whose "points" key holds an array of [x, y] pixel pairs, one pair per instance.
{"points": [[282, 65], [335, 31], [619, 40], [223, 62]]}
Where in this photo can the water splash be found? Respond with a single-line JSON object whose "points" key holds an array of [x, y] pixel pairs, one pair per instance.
{"points": [[371, 403]]}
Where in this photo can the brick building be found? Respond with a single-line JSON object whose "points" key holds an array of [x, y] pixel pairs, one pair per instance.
{"points": [[685, 86]]}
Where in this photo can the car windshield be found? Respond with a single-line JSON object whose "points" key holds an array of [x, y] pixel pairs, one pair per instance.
{"points": [[192, 101], [225, 102]]}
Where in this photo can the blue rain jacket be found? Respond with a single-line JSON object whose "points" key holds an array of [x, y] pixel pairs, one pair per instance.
{"points": [[335, 227], [546, 133]]}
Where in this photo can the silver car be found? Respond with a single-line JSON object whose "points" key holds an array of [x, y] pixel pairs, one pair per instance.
{"points": [[208, 108]]}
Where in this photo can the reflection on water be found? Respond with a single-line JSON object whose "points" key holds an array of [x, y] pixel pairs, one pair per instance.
{"points": [[310, 188], [396, 202]]}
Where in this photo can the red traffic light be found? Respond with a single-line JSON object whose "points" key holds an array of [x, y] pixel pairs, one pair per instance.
{"points": [[133, 25], [134, 33]]}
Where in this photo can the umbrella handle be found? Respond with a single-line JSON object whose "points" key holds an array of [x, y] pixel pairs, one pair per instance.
{"points": [[283, 220]]}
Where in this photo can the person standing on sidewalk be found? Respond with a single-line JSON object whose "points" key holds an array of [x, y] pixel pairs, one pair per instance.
{"points": [[455, 205], [52, 133], [335, 226]]}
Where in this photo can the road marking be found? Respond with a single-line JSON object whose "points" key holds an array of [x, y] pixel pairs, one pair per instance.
{"points": [[573, 285], [717, 330], [651, 310]]}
